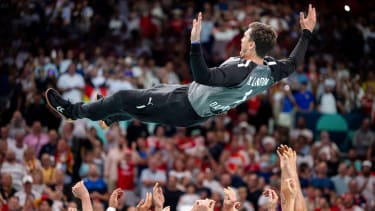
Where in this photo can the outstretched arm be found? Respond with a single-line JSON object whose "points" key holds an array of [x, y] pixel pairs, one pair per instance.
{"points": [[287, 66], [290, 180], [216, 76]]}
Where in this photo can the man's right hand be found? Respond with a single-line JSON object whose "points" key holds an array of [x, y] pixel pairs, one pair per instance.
{"points": [[157, 196], [230, 199], [145, 204], [80, 191], [196, 30], [115, 198], [204, 205], [290, 192], [310, 21], [273, 199]]}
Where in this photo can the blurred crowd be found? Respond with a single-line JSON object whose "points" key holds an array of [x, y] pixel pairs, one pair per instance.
{"points": [[87, 47]]}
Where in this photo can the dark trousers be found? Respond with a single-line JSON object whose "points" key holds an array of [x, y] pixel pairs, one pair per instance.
{"points": [[163, 104]]}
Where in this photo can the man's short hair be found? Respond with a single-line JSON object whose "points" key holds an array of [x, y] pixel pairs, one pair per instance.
{"points": [[264, 37]]}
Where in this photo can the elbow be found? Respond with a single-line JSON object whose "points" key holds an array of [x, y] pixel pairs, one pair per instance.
{"points": [[201, 81]]}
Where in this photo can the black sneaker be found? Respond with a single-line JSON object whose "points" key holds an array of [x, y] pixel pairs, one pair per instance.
{"points": [[105, 123], [58, 104]]}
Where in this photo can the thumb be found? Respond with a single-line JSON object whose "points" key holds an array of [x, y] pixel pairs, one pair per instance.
{"points": [[237, 205]]}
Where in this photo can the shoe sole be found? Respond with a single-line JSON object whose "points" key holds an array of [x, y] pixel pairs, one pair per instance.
{"points": [[53, 108]]}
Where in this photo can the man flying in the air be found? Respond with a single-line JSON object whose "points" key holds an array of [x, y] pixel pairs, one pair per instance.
{"points": [[213, 91]]}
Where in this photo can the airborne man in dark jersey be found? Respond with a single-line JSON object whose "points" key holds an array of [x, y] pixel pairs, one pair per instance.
{"points": [[213, 91]]}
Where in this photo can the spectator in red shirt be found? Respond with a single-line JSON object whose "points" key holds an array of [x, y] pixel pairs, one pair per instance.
{"points": [[126, 173]]}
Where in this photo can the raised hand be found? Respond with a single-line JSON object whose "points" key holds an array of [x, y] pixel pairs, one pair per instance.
{"points": [[145, 204], [291, 191], [197, 28], [288, 160], [115, 197], [273, 199], [158, 197], [230, 199], [204, 205], [280, 152], [167, 208], [80, 191], [310, 20]]}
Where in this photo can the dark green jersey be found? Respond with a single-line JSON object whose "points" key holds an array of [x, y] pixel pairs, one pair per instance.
{"points": [[218, 89], [209, 100]]}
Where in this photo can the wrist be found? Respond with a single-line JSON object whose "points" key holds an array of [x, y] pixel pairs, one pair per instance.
{"points": [[290, 199], [158, 206], [195, 42], [228, 207], [86, 197]]}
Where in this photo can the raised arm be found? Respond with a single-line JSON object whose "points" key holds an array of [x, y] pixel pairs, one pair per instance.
{"points": [[285, 67], [215, 76], [288, 166], [80, 191]]}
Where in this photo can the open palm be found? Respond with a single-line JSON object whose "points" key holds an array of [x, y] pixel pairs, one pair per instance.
{"points": [[309, 21], [197, 28]]}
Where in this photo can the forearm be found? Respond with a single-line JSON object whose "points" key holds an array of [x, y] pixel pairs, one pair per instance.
{"points": [[300, 49], [86, 204], [300, 204], [198, 65], [227, 76], [287, 66], [158, 208], [289, 205]]}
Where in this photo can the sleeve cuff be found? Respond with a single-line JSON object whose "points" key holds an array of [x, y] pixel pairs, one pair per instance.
{"points": [[111, 209], [306, 33], [195, 48]]}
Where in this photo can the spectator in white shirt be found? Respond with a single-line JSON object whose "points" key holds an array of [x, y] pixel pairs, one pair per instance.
{"points": [[211, 183], [16, 170], [150, 176], [327, 101], [366, 184], [341, 180], [18, 146], [27, 191], [326, 146], [188, 199], [71, 85]]}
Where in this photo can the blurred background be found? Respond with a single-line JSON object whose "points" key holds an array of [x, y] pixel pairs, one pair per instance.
{"points": [[325, 110]]}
